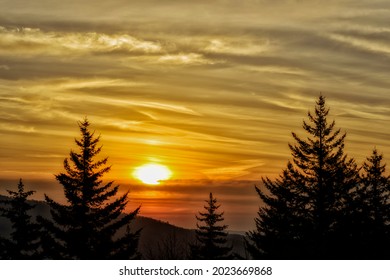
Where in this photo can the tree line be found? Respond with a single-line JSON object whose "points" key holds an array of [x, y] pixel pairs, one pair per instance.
{"points": [[322, 206]]}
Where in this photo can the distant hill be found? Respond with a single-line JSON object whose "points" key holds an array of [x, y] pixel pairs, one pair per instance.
{"points": [[158, 240]]}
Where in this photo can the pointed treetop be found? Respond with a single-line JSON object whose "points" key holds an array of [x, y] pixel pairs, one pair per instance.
{"points": [[373, 164], [211, 236], [20, 193], [95, 214]]}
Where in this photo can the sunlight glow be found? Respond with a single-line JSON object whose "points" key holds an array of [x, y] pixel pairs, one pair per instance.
{"points": [[152, 173]]}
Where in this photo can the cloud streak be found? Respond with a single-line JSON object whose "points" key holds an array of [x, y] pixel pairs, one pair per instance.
{"points": [[32, 40]]}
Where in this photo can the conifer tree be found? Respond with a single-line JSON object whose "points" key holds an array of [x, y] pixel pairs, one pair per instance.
{"points": [[210, 235], [281, 223], [308, 209], [89, 225], [375, 207], [24, 240]]}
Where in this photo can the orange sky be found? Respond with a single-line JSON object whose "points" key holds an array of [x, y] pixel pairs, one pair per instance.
{"points": [[211, 89]]}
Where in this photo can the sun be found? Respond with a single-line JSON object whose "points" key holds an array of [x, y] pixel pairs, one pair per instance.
{"points": [[152, 173]]}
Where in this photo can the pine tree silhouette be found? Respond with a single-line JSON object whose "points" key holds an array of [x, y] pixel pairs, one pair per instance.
{"points": [[87, 227], [308, 209], [211, 237], [24, 242], [282, 223], [375, 206]]}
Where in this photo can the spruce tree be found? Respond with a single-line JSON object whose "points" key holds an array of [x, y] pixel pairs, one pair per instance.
{"points": [[92, 225], [24, 241], [375, 206], [210, 235], [308, 210], [281, 223]]}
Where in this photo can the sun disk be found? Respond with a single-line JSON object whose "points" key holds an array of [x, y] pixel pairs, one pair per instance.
{"points": [[152, 173]]}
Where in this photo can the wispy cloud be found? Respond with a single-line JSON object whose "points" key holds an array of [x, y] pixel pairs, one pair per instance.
{"points": [[17, 128], [362, 43], [244, 46], [184, 59], [32, 40]]}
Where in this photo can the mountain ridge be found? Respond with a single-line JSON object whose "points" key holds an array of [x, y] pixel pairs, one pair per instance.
{"points": [[158, 239]]}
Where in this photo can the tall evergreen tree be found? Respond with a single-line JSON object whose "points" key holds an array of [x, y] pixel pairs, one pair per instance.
{"points": [[24, 242], [375, 206], [308, 209], [211, 236], [89, 225], [282, 221]]}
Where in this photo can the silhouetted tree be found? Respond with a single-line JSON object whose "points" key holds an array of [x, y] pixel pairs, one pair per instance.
{"points": [[282, 221], [88, 226], [24, 241], [375, 206], [307, 211], [211, 237]]}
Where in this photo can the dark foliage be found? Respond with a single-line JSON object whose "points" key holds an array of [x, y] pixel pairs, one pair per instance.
{"points": [[374, 195], [308, 210], [86, 227], [211, 237], [24, 240], [170, 247]]}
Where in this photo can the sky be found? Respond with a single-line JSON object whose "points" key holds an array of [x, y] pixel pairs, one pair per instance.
{"points": [[210, 89]]}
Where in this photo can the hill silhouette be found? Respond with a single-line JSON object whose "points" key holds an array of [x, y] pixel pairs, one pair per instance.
{"points": [[158, 240]]}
